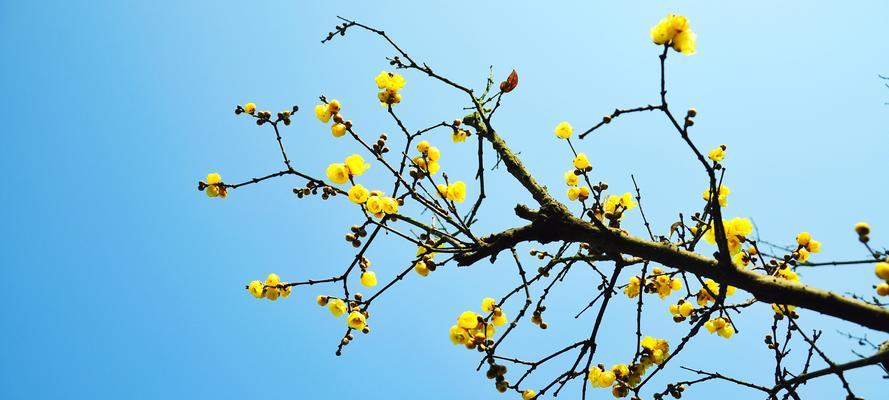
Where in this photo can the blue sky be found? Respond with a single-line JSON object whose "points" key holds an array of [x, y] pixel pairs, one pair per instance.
{"points": [[124, 281]]}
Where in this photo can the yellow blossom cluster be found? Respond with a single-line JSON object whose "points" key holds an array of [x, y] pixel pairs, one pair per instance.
{"points": [[353, 166], [214, 186], [459, 136], [615, 206], [806, 246], [736, 231], [427, 161], [681, 310], [324, 112], [426, 262], [654, 351], [710, 285], [720, 326], [658, 282], [389, 85], [578, 193], [620, 377], [379, 204], [368, 278], [722, 197], [472, 330], [357, 319], [674, 31], [581, 165], [563, 130], [455, 191], [271, 289], [787, 274], [744, 257]]}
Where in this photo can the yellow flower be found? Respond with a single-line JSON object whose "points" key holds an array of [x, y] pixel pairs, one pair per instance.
{"points": [[571, 179], [459, 136], [573, 193], [736, 230], [255, 288], [374, 204], [620, 370], [529, 394], [321, 300], [717, 154], [802, 255], [563, 130], [723, 195], [322, 112], [423, 146], [390, 205], [632, 288], [883, 289], [581, 161], [468, 320], [458, 335], [682, 310], [421, 268], [488, 304], [358, 194], [390, 81], [599, 378], [803, 238], [814, 246], [285, 292], [457, 191], [674, 30], [250, 108], [369, 278], [618, 205], [272, 280], [356, 320], [433, 167], [704, 296], [356, 165], [658, 350], [271, 294], [499, 317], [215, 188], [720, 326], [337, 307], [338, 130], [882, 270], [862, 229], [338, 173], [433, 154]]}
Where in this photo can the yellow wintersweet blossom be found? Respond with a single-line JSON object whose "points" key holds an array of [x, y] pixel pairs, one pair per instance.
{"points": [[468, 320], [457, 191], [563, 130], [499, 317], [389, 81], [272, 280], [883, 289], [459, 335], [215, 188], [736, 231], [374, 205], [704, 296], [571, 179], [255, 288], [722, 197], [488, 304], [358, 194], [369, 278], [250, 108], [720, 326], [784, 309], [421, 268], [717, 154], [337, 307], [575, 193], [581, 161], [882, 270], [674, 30], [324, 111], [632, 288], [656, 350], [529, 394], [338, 130], [356, 320], [338, 173], [390, 205], [599, 378], [617, 205], [681, 310], [459, 136], [433, 154], [356, 165], [664, 285], [862, 229], [423, 146]]}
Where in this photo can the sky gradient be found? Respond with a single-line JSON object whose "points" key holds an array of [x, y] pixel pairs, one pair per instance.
{"points": [[123, 281]]}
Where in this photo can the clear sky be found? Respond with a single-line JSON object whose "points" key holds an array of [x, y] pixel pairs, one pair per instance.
{"points": [[123, 281]]}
